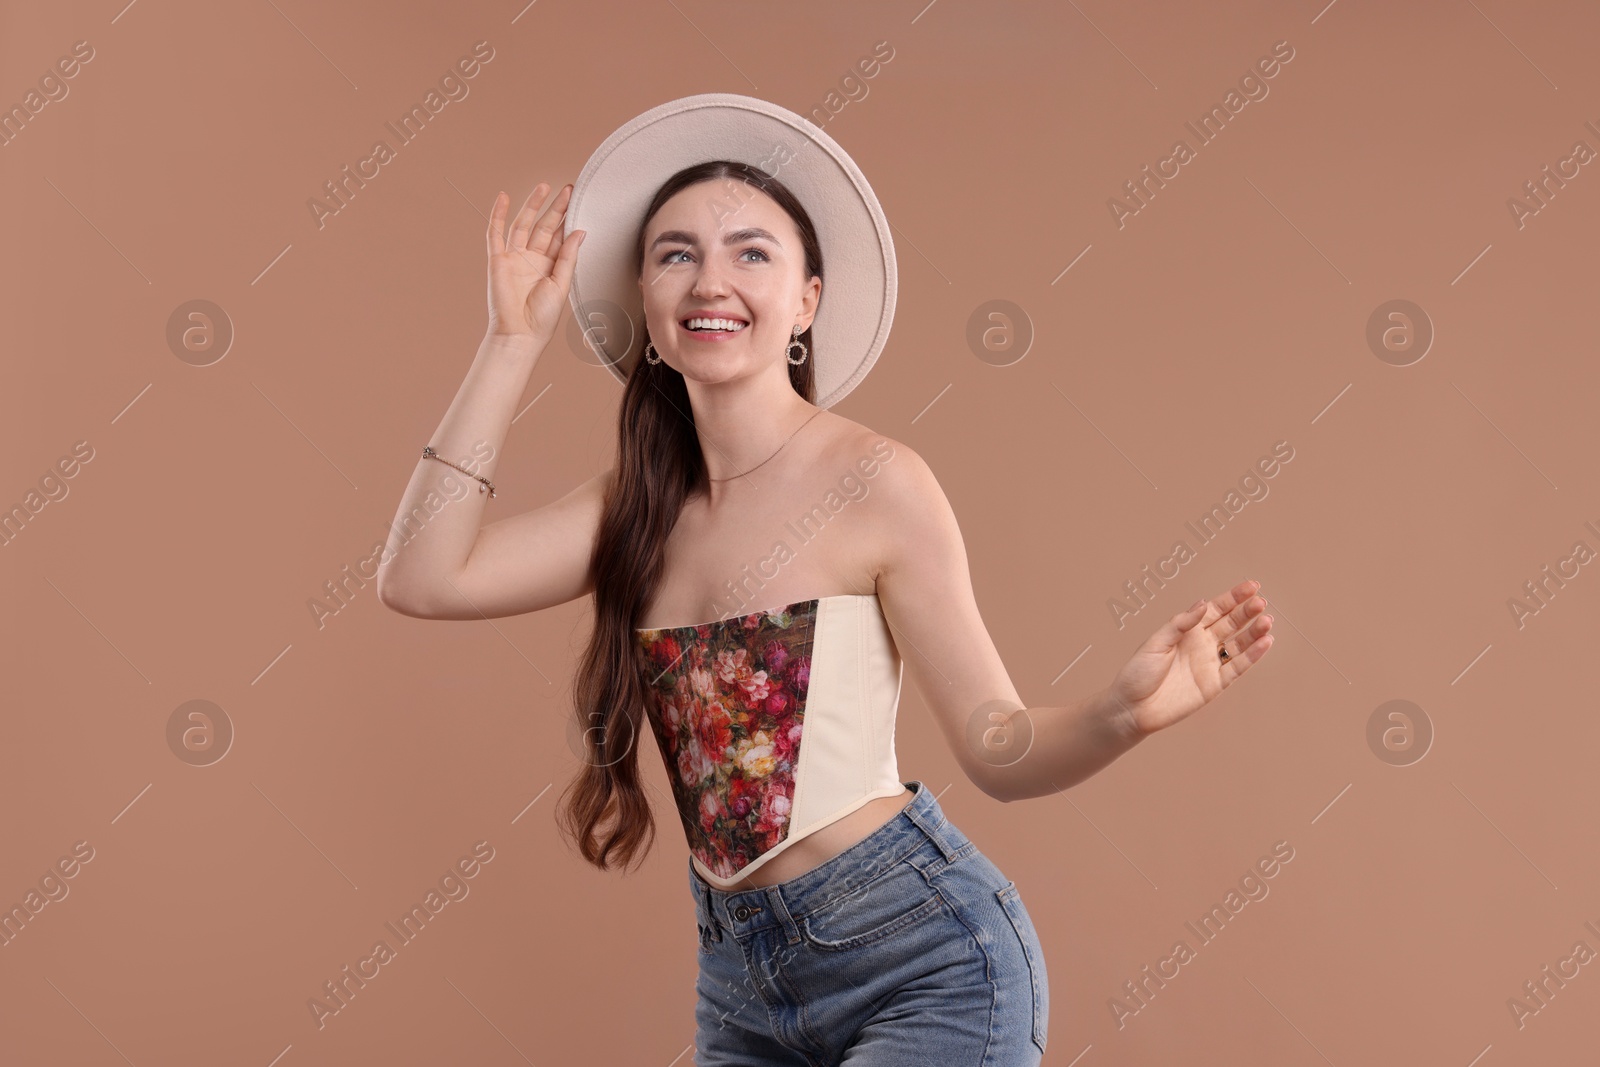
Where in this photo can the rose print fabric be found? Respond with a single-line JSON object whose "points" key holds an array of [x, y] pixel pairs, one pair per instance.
{"points": [[727, 703]]}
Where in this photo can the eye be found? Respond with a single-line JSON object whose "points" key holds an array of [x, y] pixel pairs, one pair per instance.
{"points": [[668, 258], [757, 251]]}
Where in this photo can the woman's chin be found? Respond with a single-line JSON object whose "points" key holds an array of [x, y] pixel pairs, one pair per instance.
{"points": [[710, 370]]}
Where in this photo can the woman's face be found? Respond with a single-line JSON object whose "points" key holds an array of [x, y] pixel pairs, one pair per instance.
{"points": [[724, 249]]}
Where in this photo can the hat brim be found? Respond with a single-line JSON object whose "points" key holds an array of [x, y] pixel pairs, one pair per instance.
{"points": [[616, 185]]}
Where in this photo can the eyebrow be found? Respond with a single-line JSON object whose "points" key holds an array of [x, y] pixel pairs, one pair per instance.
{"points": [[733, 237]]}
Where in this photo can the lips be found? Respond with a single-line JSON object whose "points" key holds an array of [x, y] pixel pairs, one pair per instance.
{"points": [[713, 333], [710, 335], [715, 315]]}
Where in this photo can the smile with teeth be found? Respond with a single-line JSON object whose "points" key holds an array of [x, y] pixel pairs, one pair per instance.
{"points": [[722, 327]]}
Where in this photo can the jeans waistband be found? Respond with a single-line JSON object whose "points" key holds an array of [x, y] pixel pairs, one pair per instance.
{"points": [[744, 912]]}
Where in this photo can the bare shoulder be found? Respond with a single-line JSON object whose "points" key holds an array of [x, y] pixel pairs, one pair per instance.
{"points": [[895, 471], [893, 489]]}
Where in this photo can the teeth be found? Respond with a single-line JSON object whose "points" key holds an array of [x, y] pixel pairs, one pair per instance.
{"points": [[715, 324]]}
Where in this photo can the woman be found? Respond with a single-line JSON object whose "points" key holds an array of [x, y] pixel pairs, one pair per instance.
{"points": [[841, 914]]}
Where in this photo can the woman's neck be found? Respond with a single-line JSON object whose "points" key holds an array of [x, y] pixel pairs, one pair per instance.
{"points": [[737, 438]]}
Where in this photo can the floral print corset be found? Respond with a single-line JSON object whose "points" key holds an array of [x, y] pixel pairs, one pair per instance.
{"points": [[728, 706]]}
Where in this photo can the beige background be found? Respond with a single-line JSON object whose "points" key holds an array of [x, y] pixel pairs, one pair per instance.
{"points": [[1230, 313]]}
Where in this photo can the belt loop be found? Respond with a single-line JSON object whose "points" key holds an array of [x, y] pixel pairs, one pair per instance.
{"points": [[711, 911], [937, 827], [781, 911]]}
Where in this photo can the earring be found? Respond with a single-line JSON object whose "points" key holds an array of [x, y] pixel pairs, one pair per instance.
{"points": [[649, 347], [804, 351]]}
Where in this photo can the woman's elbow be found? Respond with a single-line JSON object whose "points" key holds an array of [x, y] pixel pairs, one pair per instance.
{"points": [[397, 600]]}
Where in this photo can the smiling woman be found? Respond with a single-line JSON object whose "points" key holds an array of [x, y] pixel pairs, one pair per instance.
{"points": [[727, 287], [809, 852], [753, 262], [868, 926], [806, 847]]}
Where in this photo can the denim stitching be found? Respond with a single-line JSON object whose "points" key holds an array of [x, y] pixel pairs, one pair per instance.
{"points": [[927, 909], [804, 1025], [935, 828], [988, 971], [1009, 895], [861, 887]]}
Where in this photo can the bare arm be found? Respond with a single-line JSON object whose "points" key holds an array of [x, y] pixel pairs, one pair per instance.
{"points": [[925, 587], [441, 561]]}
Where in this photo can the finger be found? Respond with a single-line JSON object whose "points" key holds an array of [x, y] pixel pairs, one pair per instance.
{"points": [[548, 234], [1239, 594], [1248, 607], [1185, 620], [525, 217], [1166, 638], [1238, 618], [553, 245], [1237, 664], [568, 259], [1243, 638], [550, 221], [497, 215]]}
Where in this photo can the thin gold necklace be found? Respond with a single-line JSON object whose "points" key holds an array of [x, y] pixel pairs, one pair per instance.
{"points": [[786, 440]]}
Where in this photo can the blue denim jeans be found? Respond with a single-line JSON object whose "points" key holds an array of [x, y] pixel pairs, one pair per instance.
{"points": [[910, 947]]}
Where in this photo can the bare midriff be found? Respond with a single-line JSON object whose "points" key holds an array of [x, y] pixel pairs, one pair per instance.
{"points": [[821, 846]]}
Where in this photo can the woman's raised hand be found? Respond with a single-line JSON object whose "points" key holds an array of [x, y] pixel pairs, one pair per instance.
{"points": [[530, 270], [1179, 669]]}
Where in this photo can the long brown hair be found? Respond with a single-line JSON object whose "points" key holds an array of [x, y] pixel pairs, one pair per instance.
{"points": [[659, 467]]}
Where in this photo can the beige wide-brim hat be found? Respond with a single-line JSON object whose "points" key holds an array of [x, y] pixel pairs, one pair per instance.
{"points": [[616, 185]]}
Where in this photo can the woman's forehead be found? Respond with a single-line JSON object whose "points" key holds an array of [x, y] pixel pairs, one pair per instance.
{"points": [[712, 207]]}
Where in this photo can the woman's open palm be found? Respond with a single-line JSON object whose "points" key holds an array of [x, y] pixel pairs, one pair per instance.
{"points": [[1178, 670], [530, 270]]}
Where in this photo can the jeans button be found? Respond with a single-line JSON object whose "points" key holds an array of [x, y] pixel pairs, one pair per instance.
{"points": [[744, 911]]}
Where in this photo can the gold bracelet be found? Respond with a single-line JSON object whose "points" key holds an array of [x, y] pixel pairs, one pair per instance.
{"points": [[429, 453]]}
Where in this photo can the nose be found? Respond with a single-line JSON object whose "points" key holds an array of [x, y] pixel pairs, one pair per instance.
{"points": [[709, 281]]}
